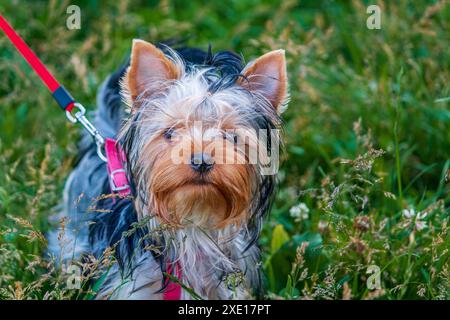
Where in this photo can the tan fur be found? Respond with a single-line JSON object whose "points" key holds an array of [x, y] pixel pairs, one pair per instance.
{"points": [[267, 75], [148, 64]]}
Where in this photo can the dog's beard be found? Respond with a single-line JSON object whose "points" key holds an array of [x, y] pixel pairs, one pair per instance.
{"points": [[197, 204], [222, 198]]}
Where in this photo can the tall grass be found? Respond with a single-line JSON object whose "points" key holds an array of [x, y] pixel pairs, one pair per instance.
{"points": [[365, 176]]}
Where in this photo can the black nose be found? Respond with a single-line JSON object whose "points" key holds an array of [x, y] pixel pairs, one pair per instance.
{"points": [[202, 162]]}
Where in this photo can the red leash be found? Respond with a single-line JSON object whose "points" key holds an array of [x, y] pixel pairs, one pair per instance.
{"points": [[114, 158], [59, 93], [114, 155], [62, 97]]}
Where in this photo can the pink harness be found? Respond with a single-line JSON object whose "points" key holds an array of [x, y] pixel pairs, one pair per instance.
{"points": [[117, 176], [119, 183]]}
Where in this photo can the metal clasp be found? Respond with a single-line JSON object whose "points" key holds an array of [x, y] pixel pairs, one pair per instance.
{"points": [[80, 117], [113, 184]]}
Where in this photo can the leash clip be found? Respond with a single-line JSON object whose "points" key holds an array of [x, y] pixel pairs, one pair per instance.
{"points": [[112, 177], [80, 117]]}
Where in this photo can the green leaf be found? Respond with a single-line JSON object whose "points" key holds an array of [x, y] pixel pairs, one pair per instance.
{"points": [[314, 240], [297, 150], [279, 237]]}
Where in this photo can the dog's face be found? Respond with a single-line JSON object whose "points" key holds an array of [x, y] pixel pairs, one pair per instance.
{"points": [[194, 140]]}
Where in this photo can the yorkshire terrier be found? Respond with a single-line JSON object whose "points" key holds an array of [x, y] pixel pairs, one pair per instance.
{"points": [[200, 135]]}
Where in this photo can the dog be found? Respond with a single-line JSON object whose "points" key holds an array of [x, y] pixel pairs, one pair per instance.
{"points": [[193, 218]]}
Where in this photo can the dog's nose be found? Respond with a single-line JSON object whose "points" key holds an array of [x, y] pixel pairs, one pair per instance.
{"points": [[202, 162]]}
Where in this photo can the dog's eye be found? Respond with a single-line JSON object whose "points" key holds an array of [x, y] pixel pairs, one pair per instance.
{"points": [[168, 133]]}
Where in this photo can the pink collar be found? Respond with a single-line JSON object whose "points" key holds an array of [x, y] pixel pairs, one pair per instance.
{"points": [[116, 172], [118, 182]]}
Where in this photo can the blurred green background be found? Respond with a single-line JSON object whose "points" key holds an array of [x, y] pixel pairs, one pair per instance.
{"points": [[365, 176]]}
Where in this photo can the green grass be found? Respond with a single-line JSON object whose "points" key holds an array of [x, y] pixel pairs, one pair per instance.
{"points": [[354, 92]]}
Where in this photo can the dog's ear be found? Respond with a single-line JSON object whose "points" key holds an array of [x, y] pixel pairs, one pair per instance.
{"points": [[267, 76], [150, 70]]}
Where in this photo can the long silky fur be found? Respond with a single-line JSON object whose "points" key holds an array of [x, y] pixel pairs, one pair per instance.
{"points": [[141, 273]]}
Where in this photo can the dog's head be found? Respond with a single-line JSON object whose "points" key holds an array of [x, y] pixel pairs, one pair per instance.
{"points": [[202, 140]]}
